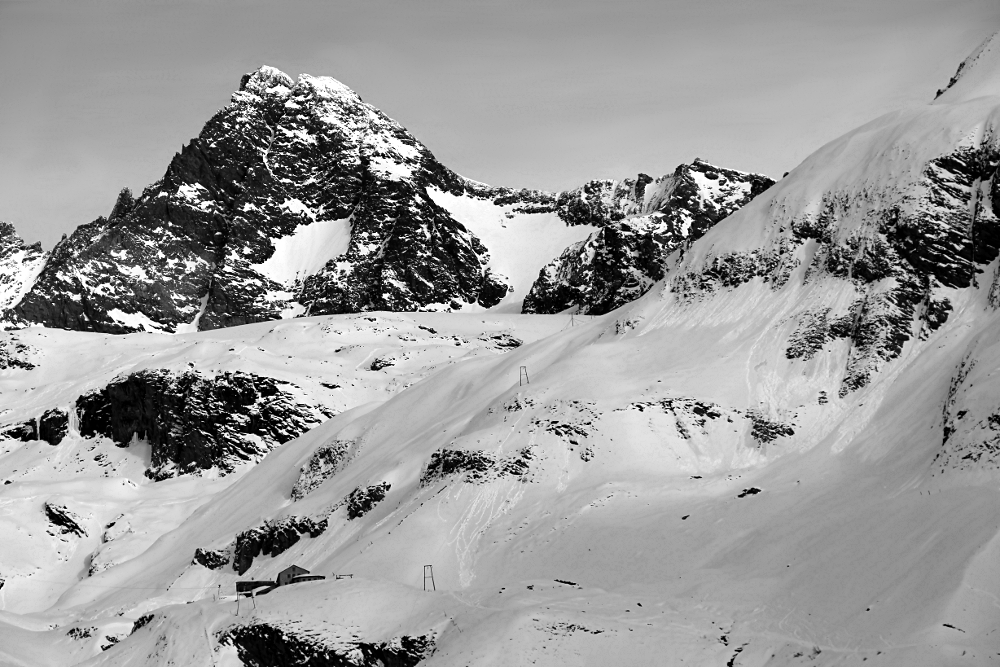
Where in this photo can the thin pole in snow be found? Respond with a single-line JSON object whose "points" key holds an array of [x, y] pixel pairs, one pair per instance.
{"points": [[972, 229], [522, 378], [429, 575]]}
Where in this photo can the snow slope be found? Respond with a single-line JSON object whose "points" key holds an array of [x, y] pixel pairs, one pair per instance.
{"points": [[305, 251], [339, 362], [829, 545], [519, 243]]}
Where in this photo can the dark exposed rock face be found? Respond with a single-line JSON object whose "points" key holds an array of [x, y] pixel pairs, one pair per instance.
{"points": [[642, 221], [689, 413], [267, 645], [14, 354], [212, 559], [142, 622], [363, 499], [197, 422], [273, 538], [503, 341], [152, 257], [53, 425], [24, 431], [766, 430], [970, 425], [325, 462], [475, 466]]}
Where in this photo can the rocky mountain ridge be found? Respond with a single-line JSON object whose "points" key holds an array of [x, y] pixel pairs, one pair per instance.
{"points": [[297, 197], [20, 264], [640, 223]]}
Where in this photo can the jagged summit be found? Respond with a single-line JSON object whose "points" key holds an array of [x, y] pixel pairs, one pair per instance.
{"points": [[649, 219], [266, 80], [19, 264]]}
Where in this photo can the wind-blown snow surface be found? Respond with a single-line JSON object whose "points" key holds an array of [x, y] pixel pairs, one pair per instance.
{"points": [[785, 453]]}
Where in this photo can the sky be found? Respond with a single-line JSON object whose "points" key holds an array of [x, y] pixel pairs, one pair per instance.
{"points": [[98, 95]]}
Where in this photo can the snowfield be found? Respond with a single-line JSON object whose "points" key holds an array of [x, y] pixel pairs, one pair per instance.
{"points": [[785, 453], [521, 243]]}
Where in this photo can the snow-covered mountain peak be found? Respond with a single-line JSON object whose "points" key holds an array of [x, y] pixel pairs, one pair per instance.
{"points": [[19, 265], [266, 80], [299, 197], [327, 87], [977, 76]]}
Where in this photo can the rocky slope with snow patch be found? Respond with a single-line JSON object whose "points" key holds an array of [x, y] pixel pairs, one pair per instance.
{"points": [[20, 264]]}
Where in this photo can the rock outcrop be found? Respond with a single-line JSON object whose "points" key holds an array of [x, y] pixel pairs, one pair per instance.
{"points": [[64, 520], [325, 462], [641, 222], [273, 538], [363, 499], [269, 645], [196, 422]]}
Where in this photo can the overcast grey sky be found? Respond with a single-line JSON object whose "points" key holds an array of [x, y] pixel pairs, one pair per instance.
{"points": [[96, 95]]}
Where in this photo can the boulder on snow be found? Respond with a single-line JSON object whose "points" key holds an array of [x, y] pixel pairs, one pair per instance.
{"points": [[363, 499], [53, 426], [212, 559], [325, 462], [65, 520]]}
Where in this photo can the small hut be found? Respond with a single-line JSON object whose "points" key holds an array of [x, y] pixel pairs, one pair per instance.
{"points": [[289, 573]]}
